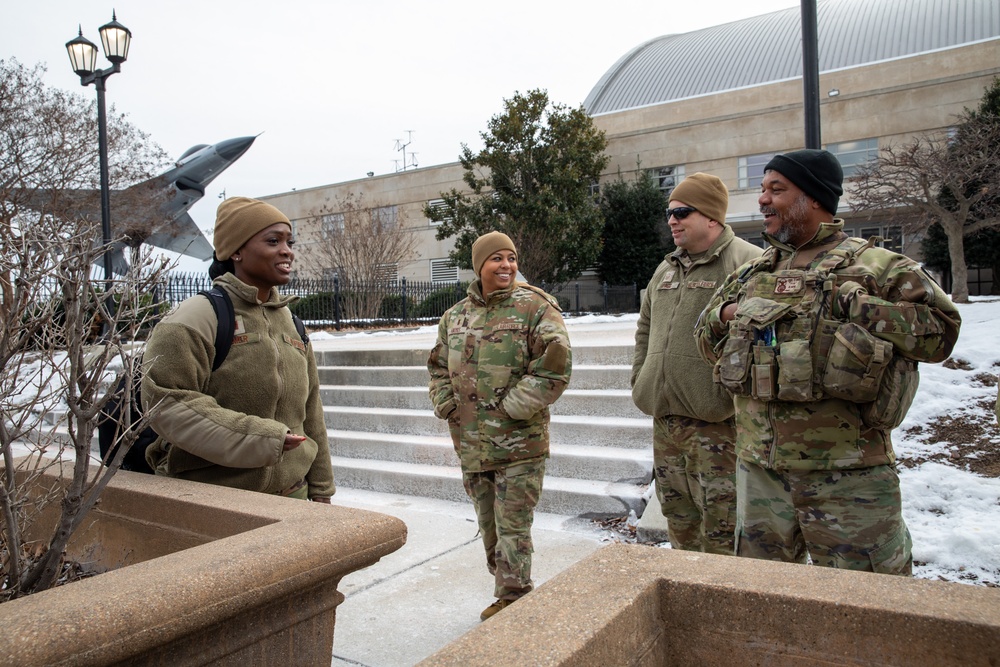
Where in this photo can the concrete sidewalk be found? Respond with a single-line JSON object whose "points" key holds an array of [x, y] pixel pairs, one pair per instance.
{"points": [[430, 592]]}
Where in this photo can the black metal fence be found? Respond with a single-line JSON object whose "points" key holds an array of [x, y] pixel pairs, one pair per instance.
{"points": [[329, 302]]}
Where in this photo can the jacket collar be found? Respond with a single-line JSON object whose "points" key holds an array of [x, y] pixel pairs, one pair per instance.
{"points": [[475, 292], [681, 256]]}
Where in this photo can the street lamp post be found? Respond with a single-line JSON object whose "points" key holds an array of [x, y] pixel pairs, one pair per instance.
{"points": [[115, 38]]}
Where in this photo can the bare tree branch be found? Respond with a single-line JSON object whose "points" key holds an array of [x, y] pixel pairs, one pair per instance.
{"points": [[949, 178], [360, 242]]}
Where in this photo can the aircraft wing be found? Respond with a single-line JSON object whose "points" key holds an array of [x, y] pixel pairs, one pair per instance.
{"points": [[183, 237]]}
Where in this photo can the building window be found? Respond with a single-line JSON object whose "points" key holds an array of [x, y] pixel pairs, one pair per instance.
{"points": [[443, 271], [755, 238], [439, 207], [387, 272], [331, 225], [892, 235], [751, 169], [854, 154], [384, 217], [667, 178]]}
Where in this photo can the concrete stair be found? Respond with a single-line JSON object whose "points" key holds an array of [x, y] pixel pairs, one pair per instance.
{"points": [[384, 435]]}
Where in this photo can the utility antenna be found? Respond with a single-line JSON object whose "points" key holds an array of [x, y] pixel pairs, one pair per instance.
{"points": [[409, 157]]}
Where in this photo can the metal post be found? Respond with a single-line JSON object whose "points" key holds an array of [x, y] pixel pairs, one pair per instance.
{"points": [[102, 148], [336, 303], [810, 74], [404, 299], [578, 298]]}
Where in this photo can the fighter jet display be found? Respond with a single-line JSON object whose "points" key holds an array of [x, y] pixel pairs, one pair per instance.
{"points": [[155, 211], [184, 185]]}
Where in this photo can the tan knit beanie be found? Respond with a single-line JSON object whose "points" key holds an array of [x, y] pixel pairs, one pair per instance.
{"points": [[706, 193], [238, 219], [486, 245]]}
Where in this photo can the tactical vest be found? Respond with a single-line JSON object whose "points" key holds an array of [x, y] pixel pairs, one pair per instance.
{"points": [[783, 344]]}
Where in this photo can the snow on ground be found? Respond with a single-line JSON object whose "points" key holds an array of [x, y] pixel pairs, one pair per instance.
{"points": [[954, 514]]}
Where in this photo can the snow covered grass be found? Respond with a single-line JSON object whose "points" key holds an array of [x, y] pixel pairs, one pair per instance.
{"points": [[952, 512]]}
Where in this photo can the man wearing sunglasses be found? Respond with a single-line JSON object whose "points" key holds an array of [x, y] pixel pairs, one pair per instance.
{"points": [[694, 459]]}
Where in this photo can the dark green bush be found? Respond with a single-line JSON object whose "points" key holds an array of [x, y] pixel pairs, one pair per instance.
{"points": [[318, 306], [392, 307], [440, 300]]}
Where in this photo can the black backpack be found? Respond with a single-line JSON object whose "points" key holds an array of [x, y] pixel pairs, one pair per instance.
{"points": [[110, 423]]}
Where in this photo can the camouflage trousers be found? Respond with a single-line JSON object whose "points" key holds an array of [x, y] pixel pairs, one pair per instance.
{"points": [[848, 519], [694, 463], [505, 501]]}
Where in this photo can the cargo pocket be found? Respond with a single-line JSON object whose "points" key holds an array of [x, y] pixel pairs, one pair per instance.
{"points": [[763, 372], [894, 556], [855, 365], [895, 395], [795, 371], [733, 367]]}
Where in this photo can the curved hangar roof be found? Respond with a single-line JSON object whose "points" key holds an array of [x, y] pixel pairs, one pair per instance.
{"points": [[767, 48]]}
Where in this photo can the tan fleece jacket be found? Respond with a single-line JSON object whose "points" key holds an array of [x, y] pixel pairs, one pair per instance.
{"points": [[669, 377], [228, 427]]}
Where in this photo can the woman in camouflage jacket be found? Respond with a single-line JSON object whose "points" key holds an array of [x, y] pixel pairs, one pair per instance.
{"points": [[501, 358]]}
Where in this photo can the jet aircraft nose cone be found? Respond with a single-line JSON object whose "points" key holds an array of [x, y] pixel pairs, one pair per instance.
{"points": [[230, 149]]}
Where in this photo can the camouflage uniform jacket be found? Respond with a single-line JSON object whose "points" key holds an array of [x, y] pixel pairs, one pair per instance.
{"points": [[498, 364], [668, 375], [884, 294], [228, 426]]}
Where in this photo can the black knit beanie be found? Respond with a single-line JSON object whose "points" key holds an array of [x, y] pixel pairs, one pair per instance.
{"points": [[817, 173]]}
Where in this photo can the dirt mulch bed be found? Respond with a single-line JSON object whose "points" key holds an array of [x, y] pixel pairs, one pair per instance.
{"points": [[973, 437]]}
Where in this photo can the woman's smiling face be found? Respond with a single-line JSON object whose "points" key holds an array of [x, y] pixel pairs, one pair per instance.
{"points": [[499, 271], [265, 261]]}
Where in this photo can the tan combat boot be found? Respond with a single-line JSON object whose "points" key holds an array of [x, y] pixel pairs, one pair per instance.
{"points": [[494, 608]]}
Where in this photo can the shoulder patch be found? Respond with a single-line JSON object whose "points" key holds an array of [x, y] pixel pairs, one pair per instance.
{"points": [[788, 285]]}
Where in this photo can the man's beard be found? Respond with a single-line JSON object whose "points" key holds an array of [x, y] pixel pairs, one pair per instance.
{"points": [[793, 222]]}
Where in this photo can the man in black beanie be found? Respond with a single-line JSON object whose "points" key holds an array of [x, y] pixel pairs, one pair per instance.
{"points": [[818, 342]]}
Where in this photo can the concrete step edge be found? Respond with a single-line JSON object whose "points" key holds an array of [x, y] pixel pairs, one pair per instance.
{"points": [[615, 422], [561, 449], [564, 484]]}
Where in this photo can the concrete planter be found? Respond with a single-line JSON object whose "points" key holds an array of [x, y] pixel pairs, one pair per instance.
{"points": [[205, 576], [642, 606]]}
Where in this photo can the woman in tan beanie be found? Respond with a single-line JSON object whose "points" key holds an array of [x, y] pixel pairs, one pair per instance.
{"points": [[501, 358], [256, 422]]}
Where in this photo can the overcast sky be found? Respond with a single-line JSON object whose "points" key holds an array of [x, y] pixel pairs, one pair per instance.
{"points": [[333, 85]]}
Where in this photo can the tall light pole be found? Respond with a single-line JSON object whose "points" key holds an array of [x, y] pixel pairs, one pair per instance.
{"points": [[115, 38], [810, 74]]}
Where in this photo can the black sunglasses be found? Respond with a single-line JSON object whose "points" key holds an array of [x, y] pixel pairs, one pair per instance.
{"points": [[680, 212]]}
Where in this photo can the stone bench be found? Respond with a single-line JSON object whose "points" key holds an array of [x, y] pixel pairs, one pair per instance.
{"points": [[639, 605]]}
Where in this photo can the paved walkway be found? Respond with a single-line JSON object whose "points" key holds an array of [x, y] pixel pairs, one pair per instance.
{"points": [[430, 592]]}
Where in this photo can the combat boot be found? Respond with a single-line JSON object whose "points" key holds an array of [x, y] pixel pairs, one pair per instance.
{"points": [[494, 608]]}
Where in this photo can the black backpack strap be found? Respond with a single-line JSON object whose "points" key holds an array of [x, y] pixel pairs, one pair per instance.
{"points": [[226, 329], [301, 328]]}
